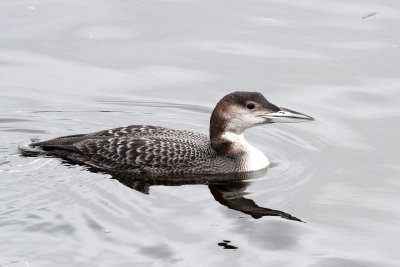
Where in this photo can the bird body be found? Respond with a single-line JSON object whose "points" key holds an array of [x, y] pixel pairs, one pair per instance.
{"points": [[160, 151]]}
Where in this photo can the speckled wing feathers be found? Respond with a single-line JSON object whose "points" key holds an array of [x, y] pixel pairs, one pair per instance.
{"points": [[142, 149], [141, 155]]}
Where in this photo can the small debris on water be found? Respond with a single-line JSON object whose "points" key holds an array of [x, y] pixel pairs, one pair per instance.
{"points": [[369, 15]]}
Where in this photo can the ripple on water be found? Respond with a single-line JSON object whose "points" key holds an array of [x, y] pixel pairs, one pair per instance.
{"points": [[16, 130], [251, 49], [106, 33], [12, 120]]}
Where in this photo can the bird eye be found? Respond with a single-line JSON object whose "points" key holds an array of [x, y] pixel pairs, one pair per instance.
{"points": [[251, 105]]}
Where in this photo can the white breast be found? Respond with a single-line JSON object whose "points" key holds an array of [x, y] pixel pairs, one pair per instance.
{"points": [[254, 159]]}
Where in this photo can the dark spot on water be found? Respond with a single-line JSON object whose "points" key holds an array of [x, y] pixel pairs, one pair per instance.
{"points": [[226, 245]]}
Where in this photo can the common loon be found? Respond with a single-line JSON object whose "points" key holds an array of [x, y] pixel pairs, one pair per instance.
{"points": [[159, 151]]}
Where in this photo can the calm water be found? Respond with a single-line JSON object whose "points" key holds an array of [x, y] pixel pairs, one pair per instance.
{"points": [[80, 66]]}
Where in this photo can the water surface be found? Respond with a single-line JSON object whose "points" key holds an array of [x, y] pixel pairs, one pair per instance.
{"points": [[71, 67]]}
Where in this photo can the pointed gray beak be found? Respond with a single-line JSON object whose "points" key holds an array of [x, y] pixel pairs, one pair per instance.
{"points": [[287, 115]]}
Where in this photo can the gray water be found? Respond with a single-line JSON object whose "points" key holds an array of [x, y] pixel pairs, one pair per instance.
{"points": [[71, 67]]}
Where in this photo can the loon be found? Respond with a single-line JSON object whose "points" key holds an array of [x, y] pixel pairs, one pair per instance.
{"points": [[158, 151]]}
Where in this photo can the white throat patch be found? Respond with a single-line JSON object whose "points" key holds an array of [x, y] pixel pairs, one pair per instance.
{"points": [[255, 159]]}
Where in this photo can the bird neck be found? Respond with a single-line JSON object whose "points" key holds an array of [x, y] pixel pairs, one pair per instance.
{"points": [[224, 138]]}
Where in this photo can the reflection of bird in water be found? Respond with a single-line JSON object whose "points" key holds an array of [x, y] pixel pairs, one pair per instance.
{"points": [[231, 194], [228, 190]]}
